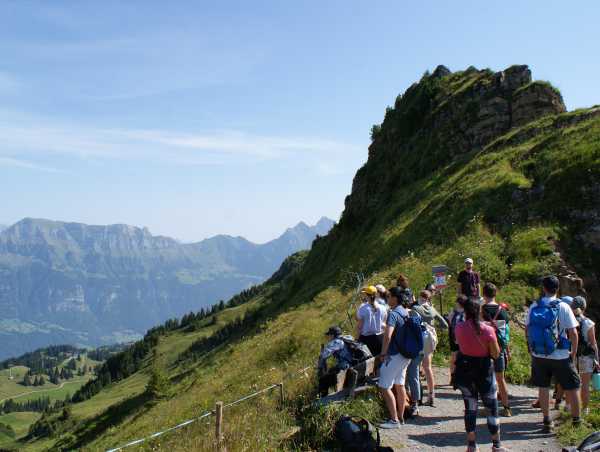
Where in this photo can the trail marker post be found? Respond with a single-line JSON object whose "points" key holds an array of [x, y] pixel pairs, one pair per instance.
{"points": [[219, 425], [440, 279]]}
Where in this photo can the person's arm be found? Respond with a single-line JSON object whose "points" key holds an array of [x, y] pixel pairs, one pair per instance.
{"points": [[359, 325], [574, 338], [459, 287], [478, 285], [494, 348], [592, 341], [441, 320], [387, 337]]}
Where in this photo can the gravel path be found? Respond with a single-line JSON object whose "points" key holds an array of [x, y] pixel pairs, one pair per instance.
{"points": [[442, 427]]}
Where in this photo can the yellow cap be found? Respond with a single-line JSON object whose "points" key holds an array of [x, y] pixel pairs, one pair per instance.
{"points": [[369, 290]]}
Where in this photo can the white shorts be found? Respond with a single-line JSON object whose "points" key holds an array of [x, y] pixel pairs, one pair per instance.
{"points": [[393, 371], [585, 364]]}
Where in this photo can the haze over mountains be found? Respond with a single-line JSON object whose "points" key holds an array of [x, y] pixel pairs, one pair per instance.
{"points": [[80, 284]]}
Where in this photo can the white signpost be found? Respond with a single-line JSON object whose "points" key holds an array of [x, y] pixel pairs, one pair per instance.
{"points": [[440, 279]]}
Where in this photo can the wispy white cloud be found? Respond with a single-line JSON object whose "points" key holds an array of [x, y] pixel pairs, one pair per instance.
{"points": [[18, 163], [39, 138]]}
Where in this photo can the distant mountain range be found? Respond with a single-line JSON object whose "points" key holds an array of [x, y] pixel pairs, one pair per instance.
{"points": [[90, 285]]}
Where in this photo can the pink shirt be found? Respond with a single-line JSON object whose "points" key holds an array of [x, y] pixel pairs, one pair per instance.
{"points": [[472, 344]]}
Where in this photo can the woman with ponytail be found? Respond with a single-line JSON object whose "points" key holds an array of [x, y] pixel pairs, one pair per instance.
{"points": [[474, 374]]}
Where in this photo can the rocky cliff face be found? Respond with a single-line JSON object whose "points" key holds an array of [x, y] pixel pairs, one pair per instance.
{"points": [[444, 115], [81, 284]]}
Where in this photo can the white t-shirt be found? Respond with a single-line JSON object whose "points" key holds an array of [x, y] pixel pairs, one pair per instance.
{"points": [[566, 321], [373, 318]]}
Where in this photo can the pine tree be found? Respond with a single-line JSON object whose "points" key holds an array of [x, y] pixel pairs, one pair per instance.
{"points": [[27, 380], [158, 384]]}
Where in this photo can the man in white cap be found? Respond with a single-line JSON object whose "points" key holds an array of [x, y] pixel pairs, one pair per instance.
{"points": [[469, 281]]}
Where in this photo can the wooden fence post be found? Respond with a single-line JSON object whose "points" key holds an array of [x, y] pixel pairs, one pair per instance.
{"points": [[281, 395], [219, 425]]}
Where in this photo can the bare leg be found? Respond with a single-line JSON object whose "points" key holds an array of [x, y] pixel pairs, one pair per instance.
{"points": [[544, 398], [452, 364], [585, 389], [429, 375], [559, 396], [390, 402], [400, 400], [573, 397], [502, 388]]}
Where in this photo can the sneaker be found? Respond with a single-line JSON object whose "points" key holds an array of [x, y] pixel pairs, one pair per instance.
{"points": [[557, 405], [390, 423], [547, 427], [576, 422], [506, 411], [535, 404], [472, 449], [500, 449]]}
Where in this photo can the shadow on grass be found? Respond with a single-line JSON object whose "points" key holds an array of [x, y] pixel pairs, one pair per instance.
{"points": [[111, 417]]}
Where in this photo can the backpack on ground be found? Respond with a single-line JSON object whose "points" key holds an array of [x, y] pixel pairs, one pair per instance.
{"points": [[583, 346], [359, 351], [543, 329], [590, 444], [356, 435], [409, 337]]}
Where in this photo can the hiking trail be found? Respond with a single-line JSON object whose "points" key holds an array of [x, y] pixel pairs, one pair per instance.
{"points": [[442, 427]]}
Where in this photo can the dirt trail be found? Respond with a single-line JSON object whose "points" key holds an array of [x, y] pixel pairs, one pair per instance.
{"points": [[442, 427], [42, 391]]}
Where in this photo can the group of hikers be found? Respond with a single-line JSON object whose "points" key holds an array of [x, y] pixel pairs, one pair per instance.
{"points": [[398, 330]]}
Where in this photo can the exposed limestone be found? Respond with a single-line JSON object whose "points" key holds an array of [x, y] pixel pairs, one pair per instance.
{"points": [[535, 100]]}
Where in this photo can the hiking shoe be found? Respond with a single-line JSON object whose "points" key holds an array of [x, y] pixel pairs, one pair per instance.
{"points": [[390, 423], [536, 404], [547, 427], [576, 422], [506, 411], [472, 449], [500, 449]]}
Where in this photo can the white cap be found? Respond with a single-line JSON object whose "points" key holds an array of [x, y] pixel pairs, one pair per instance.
{"points": [[468, 260], [380, 288]]}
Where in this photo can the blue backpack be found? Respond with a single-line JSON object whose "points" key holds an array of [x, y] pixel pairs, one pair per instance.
{"points": [[409, 337], [543, 328]]}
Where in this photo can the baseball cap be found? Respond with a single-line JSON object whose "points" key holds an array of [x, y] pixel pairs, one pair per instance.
{"points": [[567, 299], [579, 303], [334, 331], [551, 283], [380, 288], [369, 290], [468, 260]]}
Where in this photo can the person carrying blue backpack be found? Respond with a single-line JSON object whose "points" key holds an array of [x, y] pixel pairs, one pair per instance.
{"points": [[551, 330]]}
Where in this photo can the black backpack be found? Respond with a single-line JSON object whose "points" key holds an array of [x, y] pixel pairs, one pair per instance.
{"points": [[583, 347], [590, 444], [359, 351], [356, 435]]}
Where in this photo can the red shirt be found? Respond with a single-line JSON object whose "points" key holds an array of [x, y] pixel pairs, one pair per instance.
{"points": [[472, 344]]}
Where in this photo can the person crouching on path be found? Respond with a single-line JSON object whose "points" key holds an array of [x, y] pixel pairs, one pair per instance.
{"points": [[497, 315], [429, 316], [587, 352], [553, 349], [474, 374], [392, 374], [371, 316], [338, 349]]}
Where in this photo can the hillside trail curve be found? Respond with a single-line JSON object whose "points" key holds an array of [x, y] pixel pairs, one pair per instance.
{"points": [[442, 427], [42, 391]]}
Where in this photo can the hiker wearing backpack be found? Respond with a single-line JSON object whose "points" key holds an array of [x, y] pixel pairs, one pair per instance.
{"points": [[587, 349], [498, 318], [371, 316], [337, 348], [402, 341], [455, 317], [429, 316], [551, 331], [469, 281], [474, 375]]}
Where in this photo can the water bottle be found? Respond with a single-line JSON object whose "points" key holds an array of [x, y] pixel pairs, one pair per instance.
{"points": [[596, 380]]}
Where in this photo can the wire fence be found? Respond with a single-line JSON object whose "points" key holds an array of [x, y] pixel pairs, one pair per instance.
{"points": [[136, 442]]}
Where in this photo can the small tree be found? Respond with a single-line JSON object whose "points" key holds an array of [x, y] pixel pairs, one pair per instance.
{"points": [[158, 385]]}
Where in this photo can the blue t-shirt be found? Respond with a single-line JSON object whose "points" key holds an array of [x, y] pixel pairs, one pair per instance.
{"points": [[396, 320]]}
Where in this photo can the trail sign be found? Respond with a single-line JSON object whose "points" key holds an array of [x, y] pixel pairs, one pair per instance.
{"points": [[440, 273]]}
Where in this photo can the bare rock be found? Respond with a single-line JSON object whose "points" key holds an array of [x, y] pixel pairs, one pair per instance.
{"points": [[534, 101]]}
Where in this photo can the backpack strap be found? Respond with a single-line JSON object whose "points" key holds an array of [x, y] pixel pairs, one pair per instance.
{"points": [[497, 313]]}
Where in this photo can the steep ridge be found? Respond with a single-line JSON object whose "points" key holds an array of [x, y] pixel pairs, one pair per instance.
{"points": [[467, 163], [75, 283]]}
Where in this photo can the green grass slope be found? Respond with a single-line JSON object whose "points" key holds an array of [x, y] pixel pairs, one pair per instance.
{"points": [[445, 179]]}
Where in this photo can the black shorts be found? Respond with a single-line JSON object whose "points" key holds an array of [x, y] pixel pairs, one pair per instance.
{"points": [[374, 342], [501, 362], [563, 371]]}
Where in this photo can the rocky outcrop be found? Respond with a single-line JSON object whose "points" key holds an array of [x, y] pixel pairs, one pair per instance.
{"points": [[535, 100]]}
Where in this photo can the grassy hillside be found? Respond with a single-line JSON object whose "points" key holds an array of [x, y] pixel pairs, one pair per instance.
{"points": [[448, 176]]}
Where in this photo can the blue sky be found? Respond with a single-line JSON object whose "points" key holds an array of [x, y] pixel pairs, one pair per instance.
{"points": [[199, 118]]}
